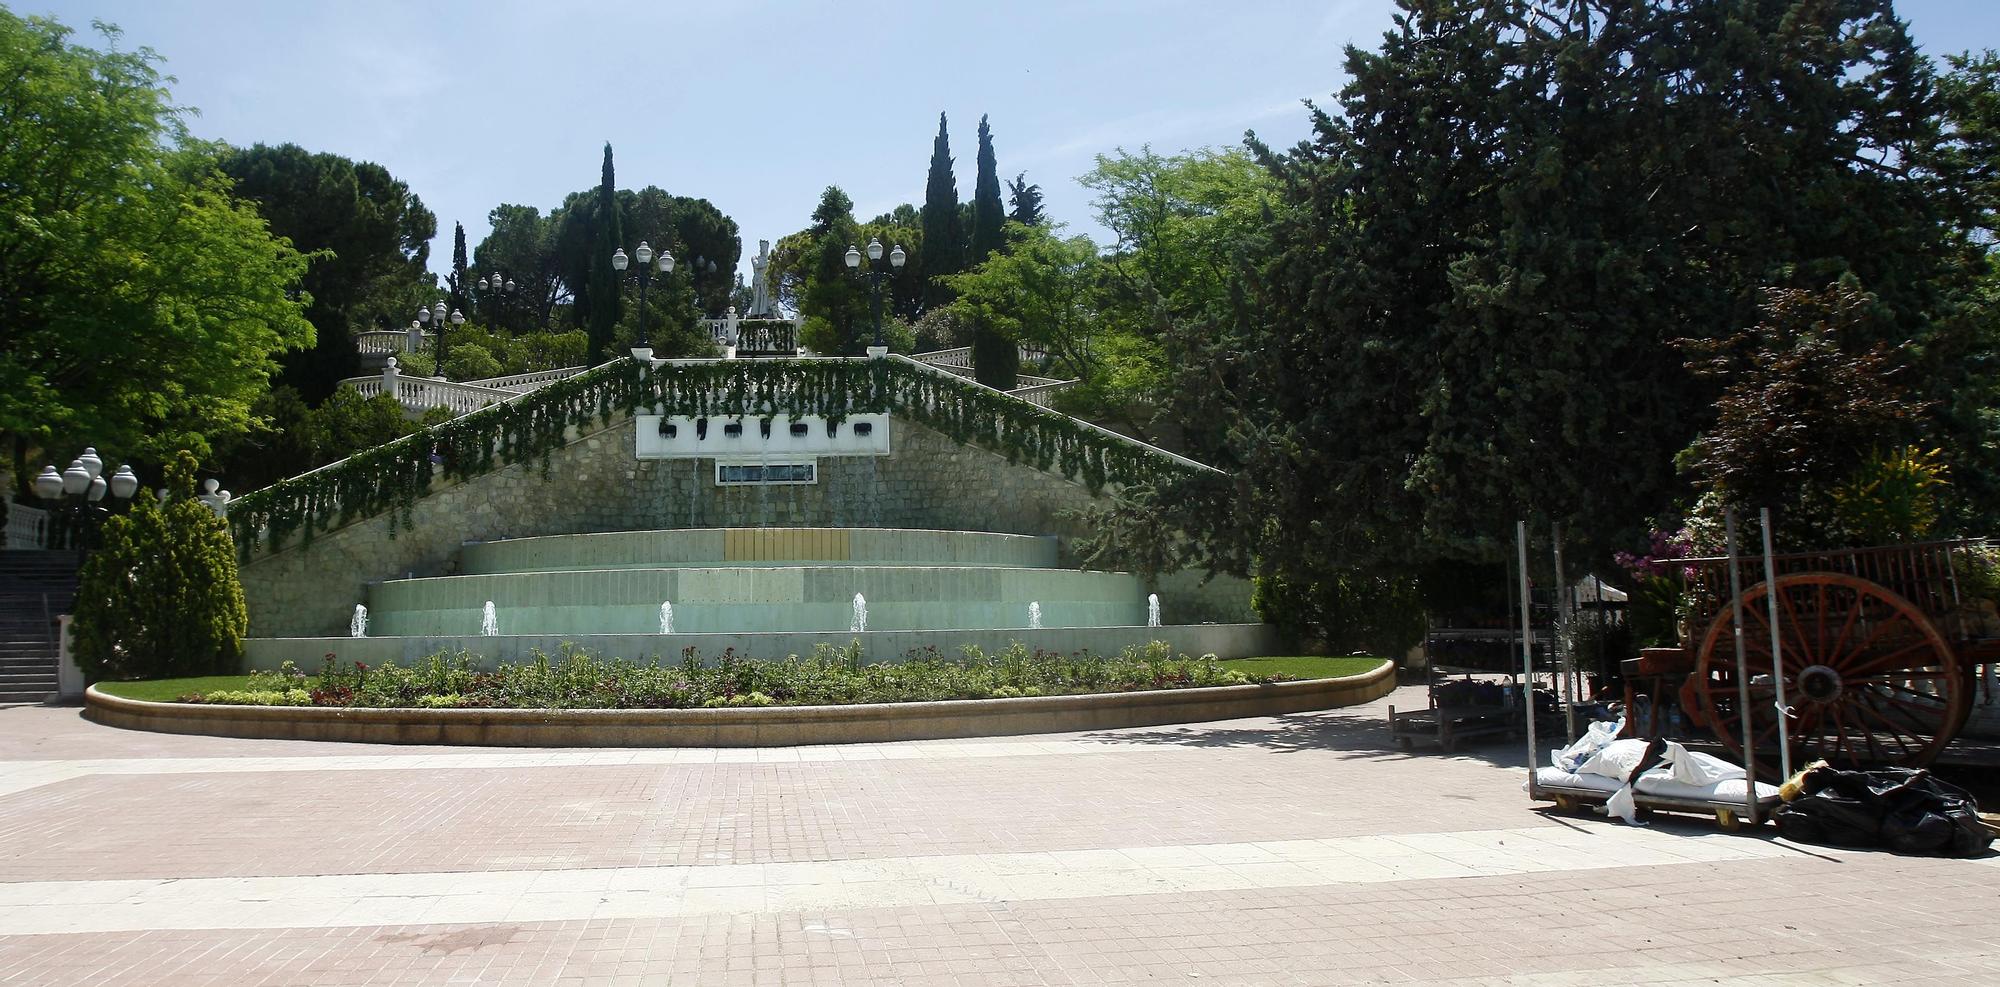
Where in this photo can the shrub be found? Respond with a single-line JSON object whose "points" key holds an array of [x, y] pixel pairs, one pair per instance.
{"points": [[577, 679], [161, 598]]}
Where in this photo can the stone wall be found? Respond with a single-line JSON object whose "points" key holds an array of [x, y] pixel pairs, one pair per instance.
{"points": [[597, 484]]}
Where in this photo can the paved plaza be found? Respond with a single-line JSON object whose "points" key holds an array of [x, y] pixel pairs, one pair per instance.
{"points": [[1295, 850]]}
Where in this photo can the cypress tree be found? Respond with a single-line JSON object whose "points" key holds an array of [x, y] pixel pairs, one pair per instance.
{"points": [[944, 234], [604, 297], [996, 361], [458, 265]]}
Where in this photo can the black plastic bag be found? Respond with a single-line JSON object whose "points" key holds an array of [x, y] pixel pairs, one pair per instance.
{"points": [[1902, 809]]}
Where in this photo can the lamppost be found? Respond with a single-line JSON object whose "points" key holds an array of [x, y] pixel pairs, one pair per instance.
{"points": [[646, 262], [896, 259], [493, 293], [75, 492], [436, 313]]}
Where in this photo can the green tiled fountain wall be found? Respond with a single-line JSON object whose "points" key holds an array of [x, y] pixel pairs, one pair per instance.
{"points": [[712, 547], [595, 484]]}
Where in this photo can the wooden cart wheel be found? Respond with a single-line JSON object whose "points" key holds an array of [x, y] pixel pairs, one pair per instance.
{"points": [[1868, 678]]}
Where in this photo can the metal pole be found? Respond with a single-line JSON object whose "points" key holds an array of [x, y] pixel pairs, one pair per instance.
{"points": [[1777, 652], [645, 278], [1563, 634], [1527, 652], [1742, 668], [875, 290]]}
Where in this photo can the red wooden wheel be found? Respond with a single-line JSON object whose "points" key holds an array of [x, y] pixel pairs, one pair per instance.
{"points": [[1868, 678]]}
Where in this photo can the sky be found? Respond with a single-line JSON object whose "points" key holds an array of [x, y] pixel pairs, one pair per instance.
{"points": [[758, 105]]}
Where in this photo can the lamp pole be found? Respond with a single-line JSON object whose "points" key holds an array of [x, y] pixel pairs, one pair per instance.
{"points": [[437, 314], [647, 261], [896, 259], [76, 492]]}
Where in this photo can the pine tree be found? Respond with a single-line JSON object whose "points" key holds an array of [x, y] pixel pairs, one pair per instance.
{"points": [[944, 234], [1026, 201], [996, 359], [604, 297]]}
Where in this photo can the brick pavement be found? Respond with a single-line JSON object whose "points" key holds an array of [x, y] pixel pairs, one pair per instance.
{"points": [[1295, 850]]}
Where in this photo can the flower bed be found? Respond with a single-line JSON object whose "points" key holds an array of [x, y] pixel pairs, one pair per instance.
{"points": [[578, 679]]}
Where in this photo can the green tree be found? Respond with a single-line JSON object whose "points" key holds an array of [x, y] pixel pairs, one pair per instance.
{"points": [[367, 236], [142, 308], [996, 359], [1042, 291], [1182, 225], [162, 598], [833, 299], [1024, 201], [521, 247], [944, 231], [604, 302]]}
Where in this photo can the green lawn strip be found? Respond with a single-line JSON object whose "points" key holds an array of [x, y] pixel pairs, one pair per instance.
{"points": [[168, 690], [1302, 667]]}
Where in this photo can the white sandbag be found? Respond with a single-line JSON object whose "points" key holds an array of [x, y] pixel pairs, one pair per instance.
{"points": [[1594, 739], [1697, 770], [1616, 760], [1558, 778], [1726, 792]]}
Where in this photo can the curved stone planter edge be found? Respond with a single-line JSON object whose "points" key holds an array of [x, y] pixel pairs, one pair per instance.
{"points": [[767, 726]]}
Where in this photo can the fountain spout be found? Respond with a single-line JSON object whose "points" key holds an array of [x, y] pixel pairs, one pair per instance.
{"points": [[1152, 609], [358, 627], [1035, 616], [489, 622], [860, 615], [666, 617]]}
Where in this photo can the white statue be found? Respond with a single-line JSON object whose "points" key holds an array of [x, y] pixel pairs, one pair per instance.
{"points": [[760, 288]]}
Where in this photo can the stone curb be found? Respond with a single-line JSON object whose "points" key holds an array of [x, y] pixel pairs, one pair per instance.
{"points": [[771, 726]]}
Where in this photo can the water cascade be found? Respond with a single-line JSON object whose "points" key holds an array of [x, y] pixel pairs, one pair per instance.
{"points": [[489, 622], [860, 615], [358, 627], [1152, 609], [666, 617], [1035, 616]]}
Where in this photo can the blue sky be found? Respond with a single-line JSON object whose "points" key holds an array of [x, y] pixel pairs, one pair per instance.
{"points": [[758, 105]]}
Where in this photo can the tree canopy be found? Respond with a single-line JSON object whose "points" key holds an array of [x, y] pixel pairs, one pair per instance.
{"points": [[142, 307]]}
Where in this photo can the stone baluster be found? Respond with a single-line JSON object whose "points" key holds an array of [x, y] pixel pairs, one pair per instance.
{"points": [[389, 376]]}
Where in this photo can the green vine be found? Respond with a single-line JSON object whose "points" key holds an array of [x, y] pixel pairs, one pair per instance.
{"points": [[390, 478]]}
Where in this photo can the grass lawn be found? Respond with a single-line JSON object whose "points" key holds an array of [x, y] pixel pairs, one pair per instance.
{"points": [[1305, 667], [168, 690]]}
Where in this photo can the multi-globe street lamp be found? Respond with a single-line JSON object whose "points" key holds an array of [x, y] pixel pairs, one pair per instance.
{"points": [[75, 493], [647, 261], [896, 259], [492, 295], [438, 314]]}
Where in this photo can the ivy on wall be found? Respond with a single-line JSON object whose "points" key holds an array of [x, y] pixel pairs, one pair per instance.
{"points": [[391, 478]]}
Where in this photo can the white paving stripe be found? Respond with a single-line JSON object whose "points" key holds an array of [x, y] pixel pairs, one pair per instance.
{"points": [[18, 776], [48, 907]]}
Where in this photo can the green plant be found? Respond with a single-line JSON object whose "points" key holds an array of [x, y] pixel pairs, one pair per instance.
{"points": [[391, 478], [1891, 498], [1350, 611], [161, 597], [574, 678]]}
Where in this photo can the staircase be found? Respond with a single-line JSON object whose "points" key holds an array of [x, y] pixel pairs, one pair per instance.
{"points": [[35, 586]]}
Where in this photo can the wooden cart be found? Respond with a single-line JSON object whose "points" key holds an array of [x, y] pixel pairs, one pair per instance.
{"points": [[1879, 655]]}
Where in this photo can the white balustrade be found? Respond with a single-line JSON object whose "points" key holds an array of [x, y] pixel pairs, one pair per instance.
{"points": [[1039, 394], [525, 382], [389, 342], [27, 527]]}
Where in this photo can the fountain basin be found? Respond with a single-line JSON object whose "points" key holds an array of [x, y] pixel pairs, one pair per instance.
{"points": [[757, 599]]}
